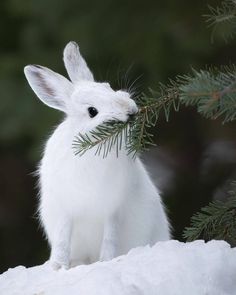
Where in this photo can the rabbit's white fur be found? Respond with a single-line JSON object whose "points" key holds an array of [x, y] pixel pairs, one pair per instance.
{"points": [[91, 208]]}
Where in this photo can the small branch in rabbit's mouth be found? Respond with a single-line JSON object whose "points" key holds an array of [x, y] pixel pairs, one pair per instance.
{"points": [[133, 135], [104, 137]]}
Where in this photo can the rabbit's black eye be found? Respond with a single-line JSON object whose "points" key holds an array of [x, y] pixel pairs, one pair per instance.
{"points": [[92, 112]]}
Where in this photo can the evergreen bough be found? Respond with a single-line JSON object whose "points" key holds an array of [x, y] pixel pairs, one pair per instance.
{"points": [[223, 19], [211, 91], [215, 221]]}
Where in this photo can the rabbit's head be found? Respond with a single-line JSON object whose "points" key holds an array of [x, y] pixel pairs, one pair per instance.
{"points": [[82, 99]]}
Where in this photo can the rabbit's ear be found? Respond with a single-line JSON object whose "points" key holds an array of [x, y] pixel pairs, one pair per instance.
{"points": [[76, 66], [53, 89]]}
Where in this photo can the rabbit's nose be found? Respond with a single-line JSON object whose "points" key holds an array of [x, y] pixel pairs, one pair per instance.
{"points": [[133, 110]]}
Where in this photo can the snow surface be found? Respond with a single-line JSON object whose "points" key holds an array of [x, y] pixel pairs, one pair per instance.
{"points": [[167, 268]]}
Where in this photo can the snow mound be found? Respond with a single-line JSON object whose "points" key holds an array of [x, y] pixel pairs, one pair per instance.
{"points": [[167, 268]]}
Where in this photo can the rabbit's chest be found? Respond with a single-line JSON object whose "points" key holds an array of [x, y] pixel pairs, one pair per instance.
{"points": [[85, 185]]}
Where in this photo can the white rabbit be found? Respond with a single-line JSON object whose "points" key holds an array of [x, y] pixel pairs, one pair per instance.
{"points": [[91, 208]]}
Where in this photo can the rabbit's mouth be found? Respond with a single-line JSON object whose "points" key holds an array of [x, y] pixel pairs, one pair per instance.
{"points": [[129, 117], [117, 117]]}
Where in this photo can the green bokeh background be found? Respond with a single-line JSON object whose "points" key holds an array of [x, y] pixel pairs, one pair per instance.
{"points": [[119, 39]]}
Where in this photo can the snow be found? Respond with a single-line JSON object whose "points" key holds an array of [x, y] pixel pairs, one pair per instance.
{"points": [[167, 268]]}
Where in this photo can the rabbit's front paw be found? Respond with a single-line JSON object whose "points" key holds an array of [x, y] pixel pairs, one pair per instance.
{"points": [[107, 254], [56, 265]]}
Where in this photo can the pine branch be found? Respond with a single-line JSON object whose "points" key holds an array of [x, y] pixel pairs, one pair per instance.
{"points": [[212, 91], [215, 221], [134, 135], [223, 18], [103, 137]]}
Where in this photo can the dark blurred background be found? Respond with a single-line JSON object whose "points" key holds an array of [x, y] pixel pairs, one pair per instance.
{"points": [[194, 159]]}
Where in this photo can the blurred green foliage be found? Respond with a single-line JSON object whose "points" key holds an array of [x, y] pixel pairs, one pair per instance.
{"points": [[156, 39]]}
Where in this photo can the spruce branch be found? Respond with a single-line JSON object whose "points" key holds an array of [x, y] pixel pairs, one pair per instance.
{"points": [[223, 18], [212, 91], [215, 221], [134, 134], [103, 137]]}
